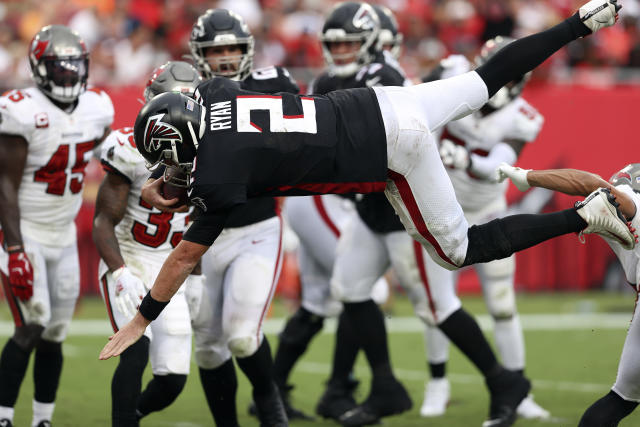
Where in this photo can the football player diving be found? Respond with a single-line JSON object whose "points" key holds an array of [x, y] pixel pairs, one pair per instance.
{"points": [[359, 140]]}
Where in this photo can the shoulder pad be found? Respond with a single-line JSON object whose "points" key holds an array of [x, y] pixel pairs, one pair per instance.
{"points": [[454, 65], [270, 80], [20, 113], [380, 74], [527, 122], [119, 154], [323, 84], [100, 103]]}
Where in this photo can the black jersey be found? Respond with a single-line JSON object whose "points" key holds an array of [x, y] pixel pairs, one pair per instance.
{"points": [[268, 80], [374, 209], [284, 144]]}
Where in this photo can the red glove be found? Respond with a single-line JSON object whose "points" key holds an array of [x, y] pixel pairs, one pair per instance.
{"points": [[20, 275]]}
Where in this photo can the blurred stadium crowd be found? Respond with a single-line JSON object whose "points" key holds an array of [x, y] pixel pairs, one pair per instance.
{"points": [[128, 38]]}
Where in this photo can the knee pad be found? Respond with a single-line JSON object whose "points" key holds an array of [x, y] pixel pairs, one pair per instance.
{"points": [[243, 346], [500, 298], [56, 332], [302, 326], [208, 358], [28, 336]]}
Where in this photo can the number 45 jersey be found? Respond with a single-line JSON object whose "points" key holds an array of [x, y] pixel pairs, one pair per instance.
{"points": [[60, 145], [144, 234]]}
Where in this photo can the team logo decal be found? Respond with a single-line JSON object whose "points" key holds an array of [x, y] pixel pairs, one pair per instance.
{"points": [[364, 18], [38, 47], [198, 30], [157, 132]]}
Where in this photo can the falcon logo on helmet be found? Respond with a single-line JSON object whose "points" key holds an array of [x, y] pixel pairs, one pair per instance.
{"points": [[157, 132], [363, 18]]}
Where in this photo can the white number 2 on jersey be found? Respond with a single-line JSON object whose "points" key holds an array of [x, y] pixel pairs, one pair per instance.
{"points": [[278, 122]]}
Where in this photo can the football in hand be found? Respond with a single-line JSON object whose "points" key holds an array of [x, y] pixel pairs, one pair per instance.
{"points": [[171, 191]]}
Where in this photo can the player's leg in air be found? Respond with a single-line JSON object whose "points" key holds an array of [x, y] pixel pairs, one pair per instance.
{"points": [[242, 270], [421, 191]]}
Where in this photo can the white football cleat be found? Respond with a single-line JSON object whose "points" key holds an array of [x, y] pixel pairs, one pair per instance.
{"points": [[600, 212], [598, 14], [529, 409], [436, 398]]}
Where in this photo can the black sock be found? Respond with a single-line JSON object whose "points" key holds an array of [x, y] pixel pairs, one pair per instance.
{"points": [[127, 382], [523, 55], [368, 321], [161, 391], [607, 411], [503, 236], [464, 332], [13, 366], [294, 340], [220, 386], [438, 370], [47, 368], [259, 369], [345, 351]]}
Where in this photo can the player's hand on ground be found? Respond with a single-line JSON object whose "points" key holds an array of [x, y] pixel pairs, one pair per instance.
{"points": [[129, 291], [152, 194], [598, 14], [125, 337], [453, 155], [517, 175], [20, 275]]}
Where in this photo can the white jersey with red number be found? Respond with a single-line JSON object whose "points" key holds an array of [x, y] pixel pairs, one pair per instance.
{"points": [[60, 145], [145, 234], [517, 120]]}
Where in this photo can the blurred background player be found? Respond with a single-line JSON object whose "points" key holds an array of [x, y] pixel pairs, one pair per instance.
{"points": [[47, 136], [624, 396], [472, 148], [374, 239], [243, 266], [330, 214], [133, 240]]}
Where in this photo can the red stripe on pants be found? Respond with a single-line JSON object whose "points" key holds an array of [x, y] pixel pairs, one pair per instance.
{"points": [[416, 217], [317, 200], [417, 249], [274, 281], [107, 301]]}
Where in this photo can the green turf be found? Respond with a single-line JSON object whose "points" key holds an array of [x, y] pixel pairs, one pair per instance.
{"points": [[570, 369]]}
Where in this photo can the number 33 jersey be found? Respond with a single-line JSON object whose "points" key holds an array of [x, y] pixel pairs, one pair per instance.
{"points": [[145, 233], [60, 145]]}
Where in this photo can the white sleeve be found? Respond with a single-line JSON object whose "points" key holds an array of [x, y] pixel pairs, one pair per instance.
{"points": [[12, 120], [119, 157], [485, 166]]}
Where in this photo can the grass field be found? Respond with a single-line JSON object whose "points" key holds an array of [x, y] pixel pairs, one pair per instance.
{"points": [[573, 346]]}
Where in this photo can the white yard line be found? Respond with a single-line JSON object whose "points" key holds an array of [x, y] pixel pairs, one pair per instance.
{"points": [[530, 322]]}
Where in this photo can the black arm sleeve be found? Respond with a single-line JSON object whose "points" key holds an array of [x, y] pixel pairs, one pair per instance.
{"points": [[157, 172], [522, 56]]}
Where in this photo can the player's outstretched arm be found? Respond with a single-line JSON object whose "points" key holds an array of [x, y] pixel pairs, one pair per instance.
{"points": [[525, 54], [173, 273], [573, 182], [13, 156]]}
